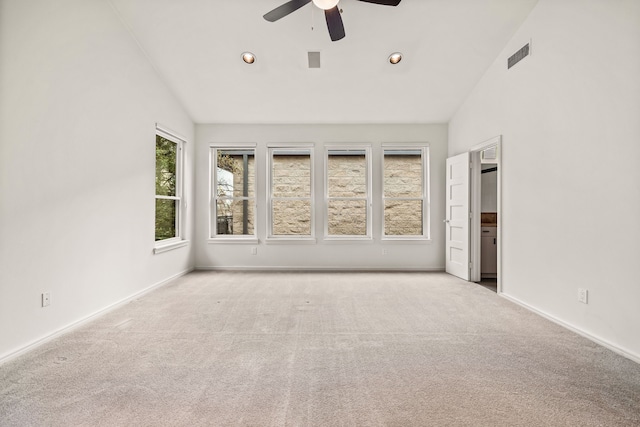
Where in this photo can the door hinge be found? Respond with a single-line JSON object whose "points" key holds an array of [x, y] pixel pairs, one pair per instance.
{"points": [[470, 265], [470, 215], [470, 165]]}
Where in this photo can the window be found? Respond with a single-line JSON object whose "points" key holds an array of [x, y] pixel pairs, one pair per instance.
{"points": [[405, 201], [233, 192], [168, 188], [348, 193], [290, 189]]}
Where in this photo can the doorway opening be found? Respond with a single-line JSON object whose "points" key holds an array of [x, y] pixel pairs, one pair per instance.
{"points": [[485, 221]]}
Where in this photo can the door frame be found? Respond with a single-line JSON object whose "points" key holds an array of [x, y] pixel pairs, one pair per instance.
{"points": [[475, 228]]}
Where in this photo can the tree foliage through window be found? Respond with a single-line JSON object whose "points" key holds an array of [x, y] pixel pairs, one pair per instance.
{"points": [[166, 186]]}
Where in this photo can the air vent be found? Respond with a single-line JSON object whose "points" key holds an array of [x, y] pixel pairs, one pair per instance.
{"points": [[314, 59], [489, 153], [518, 56]]}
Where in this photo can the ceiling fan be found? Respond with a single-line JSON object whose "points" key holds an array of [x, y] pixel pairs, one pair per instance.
{"points": [[331, 13]]}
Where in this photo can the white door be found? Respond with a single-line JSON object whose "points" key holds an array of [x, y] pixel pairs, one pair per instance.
{"points": [[457, 216]]}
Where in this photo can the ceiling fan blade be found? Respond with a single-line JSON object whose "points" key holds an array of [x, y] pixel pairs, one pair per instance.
{"points": [[334, 23], [383, 2], [285, 9]]}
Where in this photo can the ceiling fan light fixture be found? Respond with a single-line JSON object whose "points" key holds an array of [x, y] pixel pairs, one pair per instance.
{"points": [[325, 4], [248, 57], [331, 13], [395, 57]]}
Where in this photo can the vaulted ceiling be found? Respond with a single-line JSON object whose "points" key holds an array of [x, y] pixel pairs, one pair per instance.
{"points": [[196, 46]]}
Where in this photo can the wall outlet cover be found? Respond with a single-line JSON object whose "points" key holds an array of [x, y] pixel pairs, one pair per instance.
{"points": [[583, 296]]}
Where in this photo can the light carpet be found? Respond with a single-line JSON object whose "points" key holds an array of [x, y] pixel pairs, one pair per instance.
{"points": [[320, 349]]}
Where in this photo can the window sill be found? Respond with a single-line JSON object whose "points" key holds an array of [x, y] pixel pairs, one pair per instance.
{"points": [[164, 247], [420, 240], [348, 239], [233, 240], [290, 241]]}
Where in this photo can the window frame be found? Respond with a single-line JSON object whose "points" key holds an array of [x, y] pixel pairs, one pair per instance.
{"points": [[369, 193], [425, 197], [214, 237], [178, 240], [293, 148]]}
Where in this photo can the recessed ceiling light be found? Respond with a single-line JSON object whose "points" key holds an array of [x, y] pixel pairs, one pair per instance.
{"points": [[248, 57], [396, 57]]}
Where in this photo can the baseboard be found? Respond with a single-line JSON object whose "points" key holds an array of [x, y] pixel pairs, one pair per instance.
{"points": [[319, 269], [615, 348], [74, 325]]}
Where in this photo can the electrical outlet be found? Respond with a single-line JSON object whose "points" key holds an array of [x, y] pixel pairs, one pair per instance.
{"points": [[385, 251], [583, 296], [254, 251], [46, 299]]}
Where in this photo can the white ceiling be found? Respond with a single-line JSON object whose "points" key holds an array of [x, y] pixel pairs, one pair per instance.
{"points": [[196, 46]]}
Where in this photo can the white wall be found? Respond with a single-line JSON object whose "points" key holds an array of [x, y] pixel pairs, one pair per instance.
{"points": [[489, 192], [570, 119], [368, 255], [77, 120]]}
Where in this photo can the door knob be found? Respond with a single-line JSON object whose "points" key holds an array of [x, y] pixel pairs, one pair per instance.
{"points": [[446, 221]]}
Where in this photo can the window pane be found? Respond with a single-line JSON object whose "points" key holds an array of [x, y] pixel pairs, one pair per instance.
{"points": [[291, 217], [291, 175], [234, 217], [347, 217], [402, 173], [166, 155], [166, 218], [403, 217], [234, 169], [347, 174]]}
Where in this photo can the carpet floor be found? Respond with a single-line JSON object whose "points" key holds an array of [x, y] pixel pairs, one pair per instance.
{"points": [[320, 349]]}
